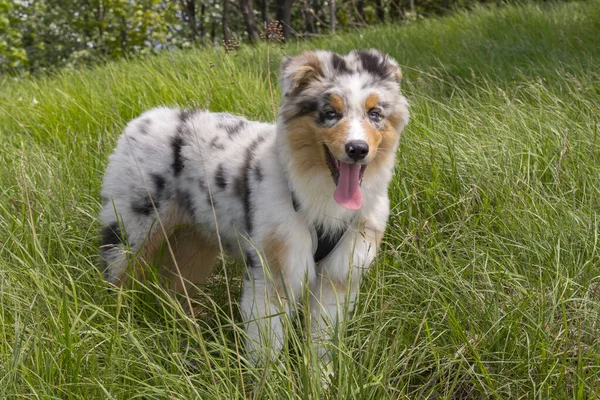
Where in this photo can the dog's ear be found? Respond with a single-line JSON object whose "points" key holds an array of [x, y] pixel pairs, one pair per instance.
{"points": [[378, 64], [395, 68], [299, 71]]}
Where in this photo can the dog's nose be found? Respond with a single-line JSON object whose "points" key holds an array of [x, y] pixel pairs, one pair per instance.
{"points": [[357, 149]]}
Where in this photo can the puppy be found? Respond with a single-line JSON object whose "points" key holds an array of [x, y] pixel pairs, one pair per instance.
{"points": [[301, 202]]}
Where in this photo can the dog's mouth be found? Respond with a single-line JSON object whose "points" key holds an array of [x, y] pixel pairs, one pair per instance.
{"points": [[347, 178]]}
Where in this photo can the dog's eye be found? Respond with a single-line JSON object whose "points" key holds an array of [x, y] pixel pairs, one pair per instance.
{"points": [[375, 116], [331, 115]]}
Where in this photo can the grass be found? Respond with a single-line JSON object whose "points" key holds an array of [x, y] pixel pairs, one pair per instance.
{"points": [[487, 285]]}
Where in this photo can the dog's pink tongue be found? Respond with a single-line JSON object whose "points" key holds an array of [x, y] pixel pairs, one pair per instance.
{"points": [[348, 193]]}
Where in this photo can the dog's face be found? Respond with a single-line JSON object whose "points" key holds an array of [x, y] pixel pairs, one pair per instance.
{"points": [[342, 115]]}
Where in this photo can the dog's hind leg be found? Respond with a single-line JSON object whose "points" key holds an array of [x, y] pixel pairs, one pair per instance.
{"points": [[195, 257], [126, 244], [134, 239]]}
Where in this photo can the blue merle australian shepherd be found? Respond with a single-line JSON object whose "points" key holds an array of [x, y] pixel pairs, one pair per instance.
{"points": [[303, 202]]}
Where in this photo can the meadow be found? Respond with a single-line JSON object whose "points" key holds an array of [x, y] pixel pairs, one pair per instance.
{"points": [[488, 281]]}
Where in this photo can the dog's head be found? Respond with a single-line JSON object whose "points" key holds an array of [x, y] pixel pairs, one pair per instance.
{"points": [[342, 115]]}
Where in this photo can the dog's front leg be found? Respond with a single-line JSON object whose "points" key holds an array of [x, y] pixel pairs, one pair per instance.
{"points": [[262, 314], [337, 284], [273, 285]]}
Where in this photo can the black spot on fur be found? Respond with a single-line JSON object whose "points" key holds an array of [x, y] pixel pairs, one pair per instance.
{"points": [[143, 206], [159, 183], [251, 262], [111, 235], [234, 128], [183, 128], [305, 107], [258, 173], [242, 184], [220, 179], [176, 144], [216, 143], [324, 119], [339, 64], [374, 64], [186, 115], [326, 243]]}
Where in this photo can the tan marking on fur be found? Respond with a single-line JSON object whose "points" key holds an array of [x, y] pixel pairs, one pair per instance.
{"points": [[389, 136], [339, 287], [398, 75], [276, 253], [307, 146], [380, 140], [378, 239], [335, 138], [152, 243], [195, 253], [195, 257], [371, 102], [314, 61], [310, 69], [374, 138], [337, 102]]}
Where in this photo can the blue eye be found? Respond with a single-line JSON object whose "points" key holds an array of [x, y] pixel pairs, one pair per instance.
{"points": [[375, 116], [331, 115]]}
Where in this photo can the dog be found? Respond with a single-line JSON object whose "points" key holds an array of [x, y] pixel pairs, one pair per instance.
{"points": [[303, 202]]}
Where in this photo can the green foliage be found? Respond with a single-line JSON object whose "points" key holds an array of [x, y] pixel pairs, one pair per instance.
{"points": [[12, 53], [41, 35], [487, 283], [44, 33]]}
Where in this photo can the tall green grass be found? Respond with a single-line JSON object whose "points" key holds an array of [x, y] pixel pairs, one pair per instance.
{"points": [[487, 285]]}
